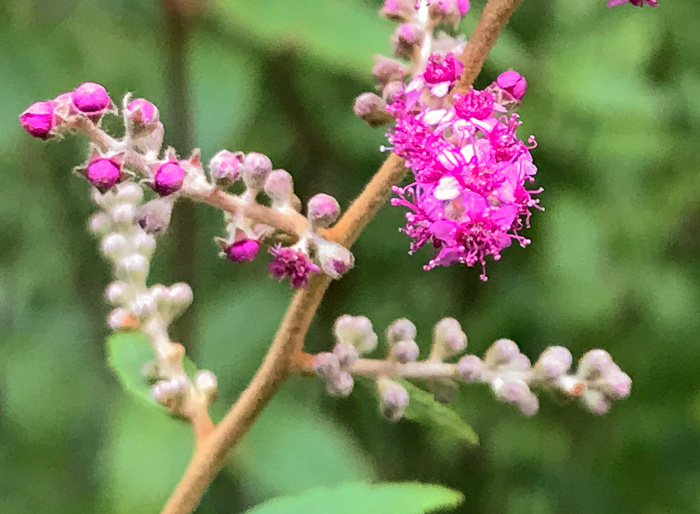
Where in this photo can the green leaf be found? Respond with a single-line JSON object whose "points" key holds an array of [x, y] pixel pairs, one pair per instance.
{"points": [[424, 409], [325, 30], [127, 353], [400, 498]]}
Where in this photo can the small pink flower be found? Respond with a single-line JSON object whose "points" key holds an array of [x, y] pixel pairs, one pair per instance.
{"points": [[243, 250], [293, 263], [91, 99], [39, 119], [638, 3], [142, 112], [512, 82], [104, 173], [168, 178], [474, 104], [225, 167]]}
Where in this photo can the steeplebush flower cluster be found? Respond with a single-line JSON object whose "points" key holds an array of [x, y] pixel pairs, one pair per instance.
{"points": [[512, 378], [468, 198], [139, 157]]}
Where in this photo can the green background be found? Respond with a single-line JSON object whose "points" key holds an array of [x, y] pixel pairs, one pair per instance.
{"points": [[614, 102]]}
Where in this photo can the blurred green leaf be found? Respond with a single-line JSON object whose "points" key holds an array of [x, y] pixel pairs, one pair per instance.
{"points": [[127, 353], [327, 30], [406, 498], [424, 409]]}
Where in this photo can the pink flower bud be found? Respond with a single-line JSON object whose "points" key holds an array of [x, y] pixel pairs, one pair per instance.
{"points": [[39, 119], [326, 364], [398, 9], [372, 109], [470, 368], [346, 354], [293, 263], [323, 210], [356, 330], [141, 112], [393, 400], [168, 178], [91, 99], [594, 364], [511, 82], [256, 168], [243, 250], [405, 351], [340, 384], [554, 362], [225, 167], [104, 173], [501, 352], [400, 330], [406, 39], [154, 216], [448, 338], [443, 69], [388, 70], [279, 187], [335, 259]]}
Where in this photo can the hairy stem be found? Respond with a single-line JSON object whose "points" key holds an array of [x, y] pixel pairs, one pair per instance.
{"points": [[210, 455]]}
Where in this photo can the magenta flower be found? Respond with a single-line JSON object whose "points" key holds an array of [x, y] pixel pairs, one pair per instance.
{"points": [[243, 250], [168, 178], [91, 99], [142, 112], [513, 83], [468, 199], [638, 3], [104, 173], [442, 73], [39, 119], [293, 263]]}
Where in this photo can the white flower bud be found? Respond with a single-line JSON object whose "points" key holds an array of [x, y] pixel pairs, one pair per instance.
{"points": [[120, 319], [356, 330], [117, 292], [326, 364], [334, 258], [100, 224], [393, 399], [400, 330], [405, 351], [448, 339], [144, 244], [206, 383], [279, 188], [113, 245], [170, 393], [554, 362], [470, 368], [143, 305], [501, 352], [123, 213], [129, 192], [340, 384], [346, 354], [134, 265], [181, 294]]}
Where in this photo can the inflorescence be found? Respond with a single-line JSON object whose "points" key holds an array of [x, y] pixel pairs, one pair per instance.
{"points": [[468, 198], [597, 380]]}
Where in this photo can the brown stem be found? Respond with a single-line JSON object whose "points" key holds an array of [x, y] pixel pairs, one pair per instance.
{"points": [[210, 456]]}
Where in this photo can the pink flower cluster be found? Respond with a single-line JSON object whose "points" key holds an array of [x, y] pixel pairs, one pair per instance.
{"points": [[468, 197]]}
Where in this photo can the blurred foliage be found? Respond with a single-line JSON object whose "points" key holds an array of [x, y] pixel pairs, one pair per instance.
{"points": [[614, 101]]}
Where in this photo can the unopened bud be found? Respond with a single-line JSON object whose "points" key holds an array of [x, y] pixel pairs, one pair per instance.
{"points": [[225, 167], [142, 114], [100, 224], [117, 292], [392, 90], [168, 178], [596, 401], [145, 244], [206, 383], [143, 306], [405, 351], [180, 294], [326, 364], [388, 70], [122, 319], [616, 384], [513, 83], [340, 384], [594, 364], [400, 330], [256, 168], [448, 338], [398, 9], [170, 393], [372, 109], [501, 352], [356, 330], [113, 245], [129, 192], [242, 250], [154, 216], [91, 99], [39, 119], [470, 368], [323, 210], [335, 259], [393, 399], [346, 354], [134, 265], [554, 362], [406, 39], [279, 187], [123, 213], [104, 173]]}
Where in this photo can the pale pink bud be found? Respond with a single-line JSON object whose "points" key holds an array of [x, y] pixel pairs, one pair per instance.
{"points": [[554, 362], [279, 187], [594, 364], [323, 210], [470, 368], [405, 351], [104, 173], [117, 292], [180, 294], [340, 384], [346, 354], [154, 216], [372, 109], [326, 364], [388, 70], [448, 338], [356, 330], [39, 119], [406, 39], [113, 245], [225, 167], [142, 113], [512, 82], [100, 224], [393, 400], [168, 178], [400, 330], [256, 168], [501, 352], [335, 259]]}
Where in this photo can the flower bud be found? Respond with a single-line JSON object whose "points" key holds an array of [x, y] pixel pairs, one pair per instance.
{"points": [[346, 354], [596, 401], [516, 392], [225, 167], [113, 245], [243, 250], [388, 70], [398, 9], [554, 362], [594, 364], [154, 216], [117, 292], [448, 338], [326, 364], [616, 384], [170, 393], [206, 383], [100, 224], [406, 39], [142, 113], [168, 178], [143, 306], [39, 120], [392, 90], [405, 351], [393, 399], [400, 330], [513, 83], [372, 109], [161, 295], [134, 265], [322, 210], [123, 213], [122, 319], [128, 192], [279, 188], [256, 168], [340, 384], [91, 99], [334, 258], [470, 368], [145, 244], [181, 294], [356, 330], [501, 352]]}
